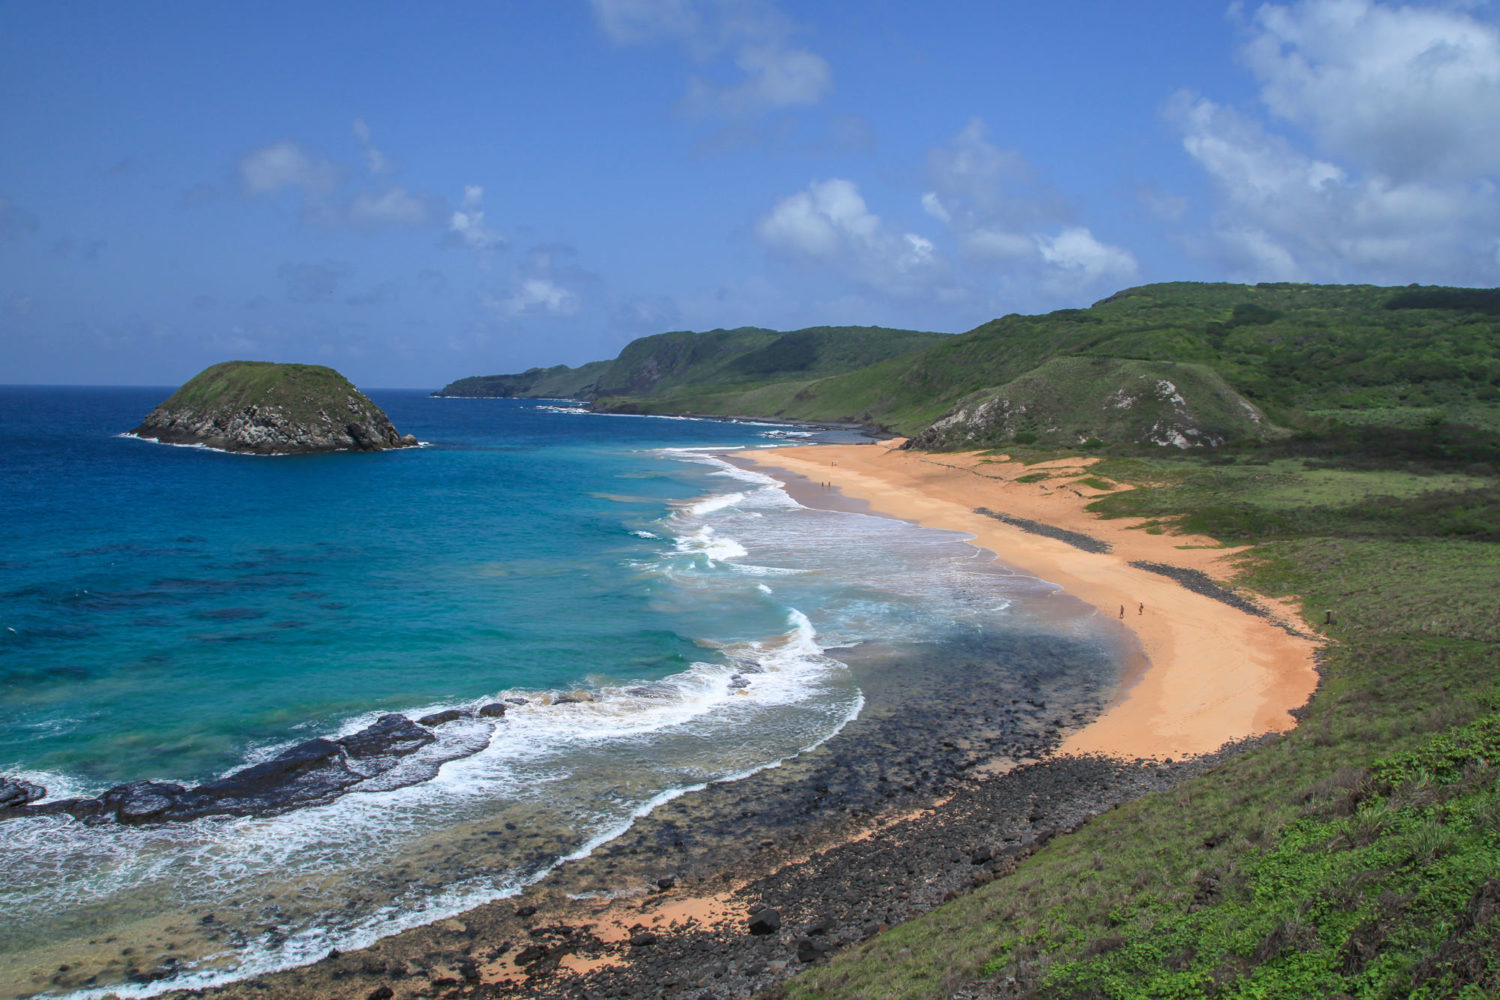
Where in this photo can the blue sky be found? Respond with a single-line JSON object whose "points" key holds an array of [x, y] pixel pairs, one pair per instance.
{"points": [[415, 193]]}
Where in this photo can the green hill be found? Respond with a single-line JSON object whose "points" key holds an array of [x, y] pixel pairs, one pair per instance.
{"points": [[704, 372], [557, 382], [1078, 400], [1294, 351], [1243, 362]]}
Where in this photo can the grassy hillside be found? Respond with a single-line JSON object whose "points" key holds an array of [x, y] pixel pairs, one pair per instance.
{"points": [[1295, 351], [660, 372], [300, 391], [1297, 356], [557, 382], [1357, 856], [1079, 400]]}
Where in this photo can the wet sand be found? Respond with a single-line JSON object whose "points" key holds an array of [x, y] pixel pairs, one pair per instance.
{"points": [[921, 798], [1210, 674]]}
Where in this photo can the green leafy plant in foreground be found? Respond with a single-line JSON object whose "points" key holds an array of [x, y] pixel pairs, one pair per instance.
{"points": [[1377, 903]]}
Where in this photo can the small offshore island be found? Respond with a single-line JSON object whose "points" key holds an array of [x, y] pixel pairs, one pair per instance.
{"points": [[266, 408]]}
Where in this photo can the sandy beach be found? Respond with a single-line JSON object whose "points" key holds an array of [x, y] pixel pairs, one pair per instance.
{"points": [[905, 808], [1210, 673]]}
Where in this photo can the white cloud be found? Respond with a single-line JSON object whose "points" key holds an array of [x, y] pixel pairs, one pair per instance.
{"points": [[1076, 251], [1409, 92], [830, 222], [628, 22], [753, 35], [326, 198], [284, 165], [820, 221], [540, 295], [933, 206], [775, 77], [996, 244], [1004, 219], [395, 206], [467, 224], [1284, 214], [375, 161]]}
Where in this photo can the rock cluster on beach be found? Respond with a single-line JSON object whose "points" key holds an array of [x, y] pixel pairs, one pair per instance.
{"points": [[263, 408], [391, 752]]}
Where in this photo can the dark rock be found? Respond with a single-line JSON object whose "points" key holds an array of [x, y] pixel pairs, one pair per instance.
{"points": [[981, 855], [442, 718], [391, 735], [812, 949], [765, 921], [310, 773], [531, 953], [642, 939], [142, 801], [525, 911], [381, 993], [817, 926], [493, 710], [15, 792], [666, 882], [572, 698]]}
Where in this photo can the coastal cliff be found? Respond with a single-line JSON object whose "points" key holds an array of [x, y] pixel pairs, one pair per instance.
{"points": [[263, 408]]}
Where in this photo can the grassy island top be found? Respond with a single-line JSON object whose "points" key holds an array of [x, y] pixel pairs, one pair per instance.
{"points": [[300, 391]]}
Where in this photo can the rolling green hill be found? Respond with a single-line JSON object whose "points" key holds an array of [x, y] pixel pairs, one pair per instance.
{"points": [[1242, 362], [557, 382], [1294, 351], [660, 372]]}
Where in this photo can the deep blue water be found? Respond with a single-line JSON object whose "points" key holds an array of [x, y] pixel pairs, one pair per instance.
{"points": [[164, 609], [176, 613]]}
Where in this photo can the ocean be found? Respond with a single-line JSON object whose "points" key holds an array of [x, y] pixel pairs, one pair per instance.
{"points": [[174, 613]]}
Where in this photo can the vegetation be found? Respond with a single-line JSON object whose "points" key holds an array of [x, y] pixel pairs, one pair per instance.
{"points": [[1076, 399], [1341, 349], [1357, 856], [557, 382], [299, 391], [705, 372], [1303, 357]]}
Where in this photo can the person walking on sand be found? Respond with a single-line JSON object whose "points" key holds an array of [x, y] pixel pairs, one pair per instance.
{"points": [[1141, 608], [1122, 611]]}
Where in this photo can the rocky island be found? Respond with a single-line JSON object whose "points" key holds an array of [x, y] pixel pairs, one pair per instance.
{"points": [[264, 408]]}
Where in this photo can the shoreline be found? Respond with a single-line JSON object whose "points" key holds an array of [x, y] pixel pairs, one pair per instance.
{"points": [[664, 909], [1209, 674]]}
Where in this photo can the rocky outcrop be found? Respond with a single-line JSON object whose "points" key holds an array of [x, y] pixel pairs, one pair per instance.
{"points": [[389, 753], [1072, 401], [263, 408]]}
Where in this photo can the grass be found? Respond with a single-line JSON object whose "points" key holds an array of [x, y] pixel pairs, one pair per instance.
{"points": [[1358, 855], [302, 392]]}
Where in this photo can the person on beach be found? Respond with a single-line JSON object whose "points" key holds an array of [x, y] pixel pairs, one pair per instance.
{"points": [[1122, 611], [1141, 608]]}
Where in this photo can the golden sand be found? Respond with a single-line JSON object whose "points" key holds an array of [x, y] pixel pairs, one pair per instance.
{"points": [[1211, 673]]}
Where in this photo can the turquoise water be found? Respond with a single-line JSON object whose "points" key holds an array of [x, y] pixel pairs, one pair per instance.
{"points": [[166, 609], [175, 613]]}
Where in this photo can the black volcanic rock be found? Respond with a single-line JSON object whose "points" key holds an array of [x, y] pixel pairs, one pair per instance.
{"points": [[272, 409], [310, 773], [15, 792]]}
